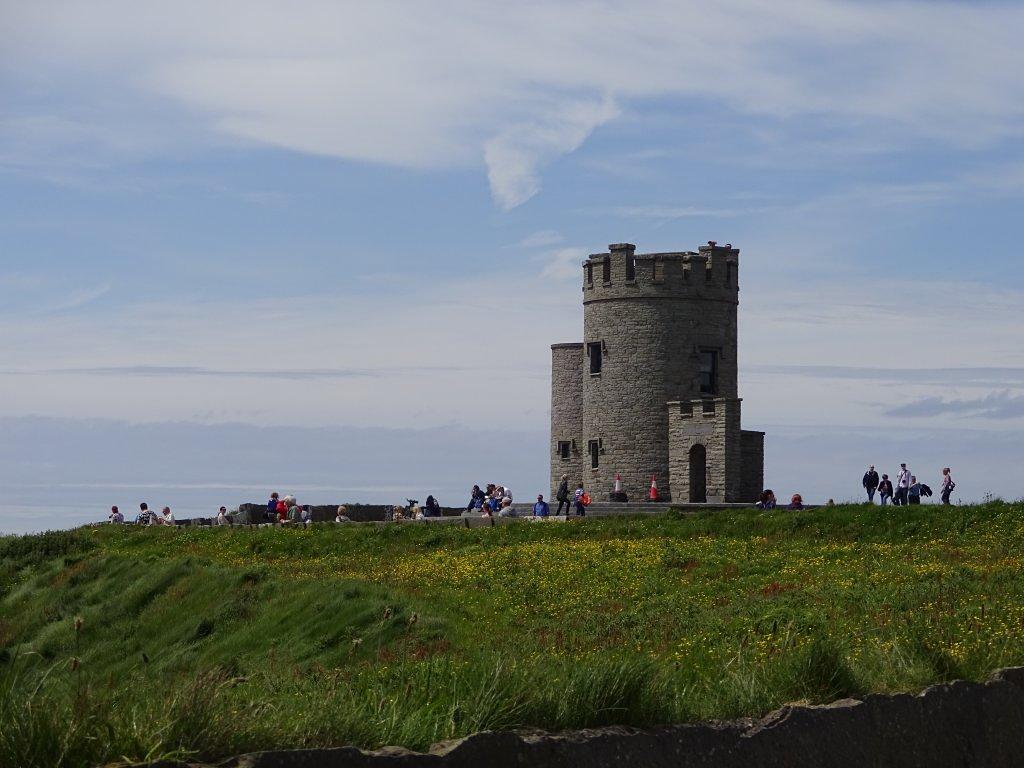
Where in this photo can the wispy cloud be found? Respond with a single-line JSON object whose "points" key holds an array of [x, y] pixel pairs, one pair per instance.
{"points": [[509, 88], [972, 377], [998, 405]]}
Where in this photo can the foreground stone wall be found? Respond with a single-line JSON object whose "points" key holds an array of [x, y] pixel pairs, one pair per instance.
{"points": [[955, 725]]}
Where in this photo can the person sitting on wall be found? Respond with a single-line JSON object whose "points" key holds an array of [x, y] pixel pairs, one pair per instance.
{"points": [[486, 509], [281, 511], [145, 516], [797, 502], [222, 517], [294, 511], [767, 499], [432, 509], [541, 508], [168, 518], [507, 510], [115, 515], [475, 497], [306, 517], [342, 516], [272, 508], [417, 512]]}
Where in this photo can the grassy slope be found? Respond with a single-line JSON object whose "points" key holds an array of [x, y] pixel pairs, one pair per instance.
{"points": [[208, 642]]}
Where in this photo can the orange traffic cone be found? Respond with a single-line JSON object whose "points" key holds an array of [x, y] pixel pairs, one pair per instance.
{"points": [[653, 494]]}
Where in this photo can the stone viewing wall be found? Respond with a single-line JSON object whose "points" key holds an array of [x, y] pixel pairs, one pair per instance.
{"points": [[359, 513], [955, 725]]}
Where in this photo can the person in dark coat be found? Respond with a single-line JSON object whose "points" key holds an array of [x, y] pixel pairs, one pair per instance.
{"points": [[885, 490], [870, 482], [563, 495], [272, 508], [476, 498], [433, 509]]}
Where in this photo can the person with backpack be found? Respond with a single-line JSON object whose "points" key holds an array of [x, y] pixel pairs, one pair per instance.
{"points": [[947, 485], [581, 500], [563, 495], [870, 483], [885, 490]]}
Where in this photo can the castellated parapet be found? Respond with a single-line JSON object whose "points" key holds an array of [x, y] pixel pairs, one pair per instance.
{"points": [[659, 338]]}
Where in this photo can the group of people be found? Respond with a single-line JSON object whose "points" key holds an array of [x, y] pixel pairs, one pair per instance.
{"points": [[287, 511], [907, 490], [145, 517], [767, 500], [494, 499]]}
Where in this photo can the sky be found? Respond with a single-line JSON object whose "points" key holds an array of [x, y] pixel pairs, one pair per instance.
{"points": [[364, 222]]}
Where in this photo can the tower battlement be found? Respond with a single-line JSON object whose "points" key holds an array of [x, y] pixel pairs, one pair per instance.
{"points": [[711, 272]]}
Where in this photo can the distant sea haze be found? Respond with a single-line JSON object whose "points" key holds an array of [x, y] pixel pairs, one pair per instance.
{"points": [[59, 473]]}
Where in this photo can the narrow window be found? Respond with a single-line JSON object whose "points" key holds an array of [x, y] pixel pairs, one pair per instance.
{"points": [[590, 273], [606, 269], [594, 351], [630, 267], [594, 447], [659, 270], [563, 449], [708, 372]]}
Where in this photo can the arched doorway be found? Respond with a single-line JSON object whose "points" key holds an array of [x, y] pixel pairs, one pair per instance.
{"points": [[698, 474]]}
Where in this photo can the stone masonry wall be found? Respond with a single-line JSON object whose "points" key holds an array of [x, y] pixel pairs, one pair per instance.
{"points": [[752, 465], [953, 725], [567, 413], [652, 329], [715, 424]]}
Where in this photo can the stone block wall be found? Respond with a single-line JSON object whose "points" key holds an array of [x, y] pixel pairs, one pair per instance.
{"points": [[715, 424], [567, 362], [752, 465]]}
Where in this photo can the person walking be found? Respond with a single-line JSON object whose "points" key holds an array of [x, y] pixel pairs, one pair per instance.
{"points": [[885, 490], [902, 486], [870, 483], [580, 501], [947, 485], [563, 495]]}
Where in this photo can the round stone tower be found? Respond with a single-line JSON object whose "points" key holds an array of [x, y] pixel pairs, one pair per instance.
{"points": [[659, 328]]}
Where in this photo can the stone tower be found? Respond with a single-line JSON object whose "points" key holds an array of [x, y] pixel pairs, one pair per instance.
{"points": [[652, 390]]}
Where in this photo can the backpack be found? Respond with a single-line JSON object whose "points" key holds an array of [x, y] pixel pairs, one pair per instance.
{"points": [[585, 499]]}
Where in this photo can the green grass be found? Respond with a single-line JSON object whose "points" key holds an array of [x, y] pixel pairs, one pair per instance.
{"points": [[205, 643]]}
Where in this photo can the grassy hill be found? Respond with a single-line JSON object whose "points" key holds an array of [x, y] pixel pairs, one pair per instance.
{"points": [[121, 642]]}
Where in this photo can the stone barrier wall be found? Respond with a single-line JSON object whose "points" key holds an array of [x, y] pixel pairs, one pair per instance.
{"points": [[953, 725]]}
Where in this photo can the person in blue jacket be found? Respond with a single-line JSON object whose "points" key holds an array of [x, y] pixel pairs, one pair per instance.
{"points": [[541, 508]]}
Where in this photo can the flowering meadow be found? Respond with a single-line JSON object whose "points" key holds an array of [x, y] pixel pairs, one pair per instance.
{"points": [[206, 642]]}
